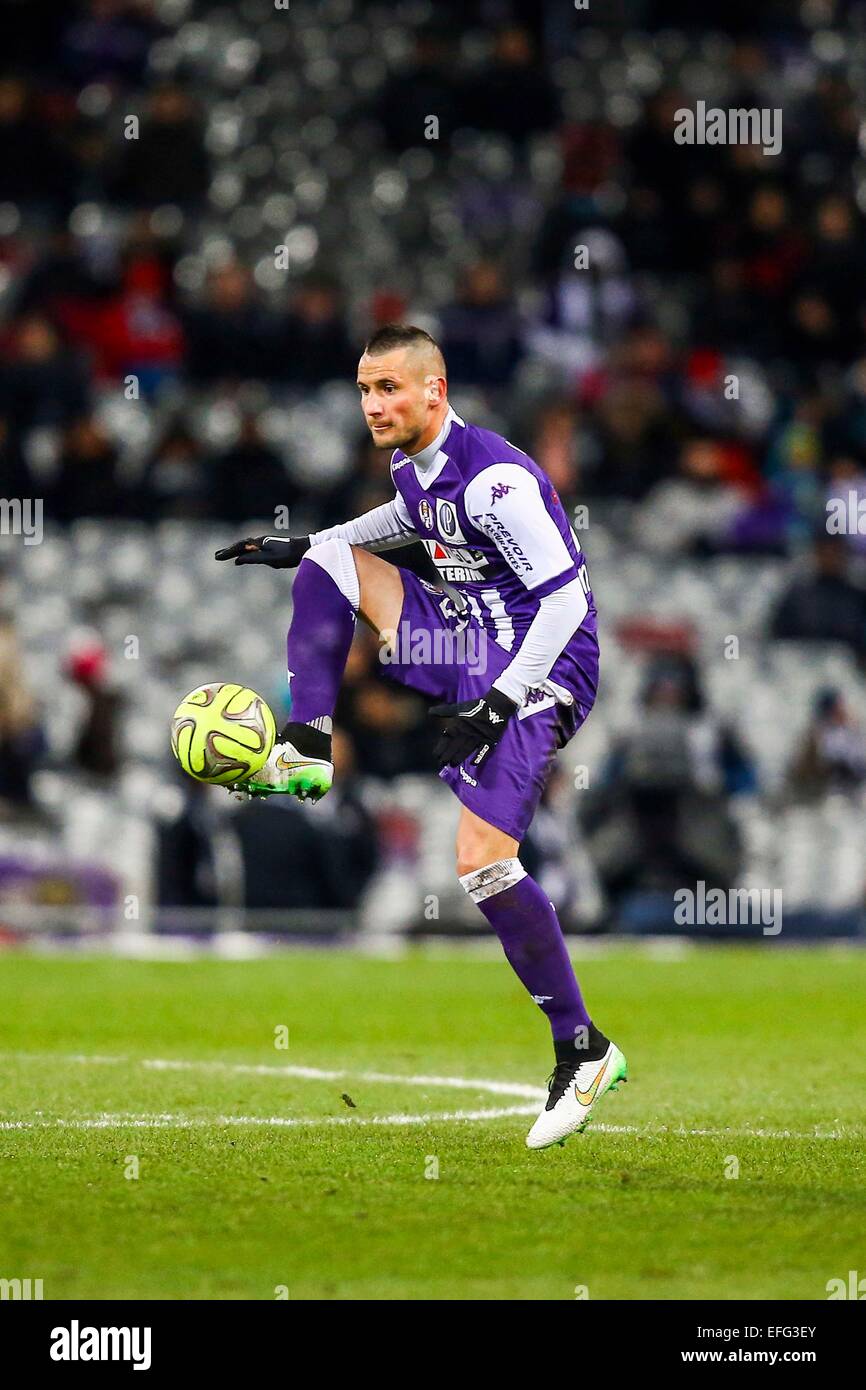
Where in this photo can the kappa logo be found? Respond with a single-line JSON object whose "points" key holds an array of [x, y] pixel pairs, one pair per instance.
{"points": [[494, 717], [466, 778], [499, 490], [541, 998], [536, 702], [425, 511]]}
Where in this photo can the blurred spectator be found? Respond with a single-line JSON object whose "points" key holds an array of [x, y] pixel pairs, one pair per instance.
{"points": [[724, 317], [556, 447], [249, 478], [87, 481], [416, 90], [60, 278], [16, 477], [845, 427], [513, 95], [133, 330], [31, 166], [176, 482], [694, 512], [655, 162], [230, 336], [312, 342], [832, 755], [96, 749], [21, 738], [590, 154], [187, 847], [815, 332], [772, 251], [661, 818], [109, 41], [633, 429], [41, 382], [589, 303], [167, 163], [794, 458], [481, 332], [824, 605], [837, 266]]}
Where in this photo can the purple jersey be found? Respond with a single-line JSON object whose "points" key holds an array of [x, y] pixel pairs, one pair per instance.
{"points": [[497, 532]]}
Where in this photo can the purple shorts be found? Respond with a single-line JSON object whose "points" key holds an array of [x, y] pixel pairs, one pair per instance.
{"points": [[449, 657]]}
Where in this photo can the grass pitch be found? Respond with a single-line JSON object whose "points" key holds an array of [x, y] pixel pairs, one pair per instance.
{"points": [[258, 1177]]}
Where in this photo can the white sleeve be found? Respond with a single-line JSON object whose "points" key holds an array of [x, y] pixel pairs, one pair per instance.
{"points": [[559, 616], [505, 502], [383, 528]]}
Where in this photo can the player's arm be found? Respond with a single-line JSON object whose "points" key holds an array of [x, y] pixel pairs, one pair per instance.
{"points": [[505, 502], [382, 528]]}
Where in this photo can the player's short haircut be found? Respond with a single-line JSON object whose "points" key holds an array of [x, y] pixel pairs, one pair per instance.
{"points": [[392, 336]]}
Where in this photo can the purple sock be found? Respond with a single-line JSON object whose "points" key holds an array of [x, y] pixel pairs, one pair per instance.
{"points": [[526, 923], [325, 596]]}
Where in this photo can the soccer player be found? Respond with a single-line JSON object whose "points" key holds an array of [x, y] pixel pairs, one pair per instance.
{"points": [[512, 571]]}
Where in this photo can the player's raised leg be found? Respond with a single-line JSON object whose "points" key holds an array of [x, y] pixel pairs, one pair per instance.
{"points": [[336, 582], [524, 919]]}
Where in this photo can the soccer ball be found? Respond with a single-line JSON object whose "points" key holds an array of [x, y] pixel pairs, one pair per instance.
{"points": [[222, 733]]}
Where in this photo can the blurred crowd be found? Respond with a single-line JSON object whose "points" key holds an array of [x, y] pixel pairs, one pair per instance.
{"points": [[204, 212], [678, 326]]}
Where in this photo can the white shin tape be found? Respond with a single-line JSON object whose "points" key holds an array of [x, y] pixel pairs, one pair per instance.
{"points": [[493, 878]]}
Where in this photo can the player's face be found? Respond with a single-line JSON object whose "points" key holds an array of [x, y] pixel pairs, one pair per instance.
{"points": [[394, 399]]}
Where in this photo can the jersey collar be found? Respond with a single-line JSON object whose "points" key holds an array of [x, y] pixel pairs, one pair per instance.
{"points": [[429, 461]]}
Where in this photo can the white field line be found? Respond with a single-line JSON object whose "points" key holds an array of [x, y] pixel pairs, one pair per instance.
{"points": [[457, 1083], [503, 1088], [168, 1121], [107, 1121]]}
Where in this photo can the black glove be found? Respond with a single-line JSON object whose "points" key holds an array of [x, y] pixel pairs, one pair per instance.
{"points": [[266, 550], [472, 725]]}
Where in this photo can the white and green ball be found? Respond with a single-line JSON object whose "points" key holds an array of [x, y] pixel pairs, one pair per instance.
{"points": [[222, 733]]}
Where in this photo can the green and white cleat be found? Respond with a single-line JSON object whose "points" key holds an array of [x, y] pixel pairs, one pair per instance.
{"points": [[575, 1090], [291, 772]]}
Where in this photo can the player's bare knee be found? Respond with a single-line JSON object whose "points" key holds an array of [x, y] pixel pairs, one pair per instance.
{"points": [[381, 590], [475, 855]]}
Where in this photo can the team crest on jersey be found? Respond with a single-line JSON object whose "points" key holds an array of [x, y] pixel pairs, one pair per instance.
{"points": [[425, 511], [499, 490], [447, 523]]}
